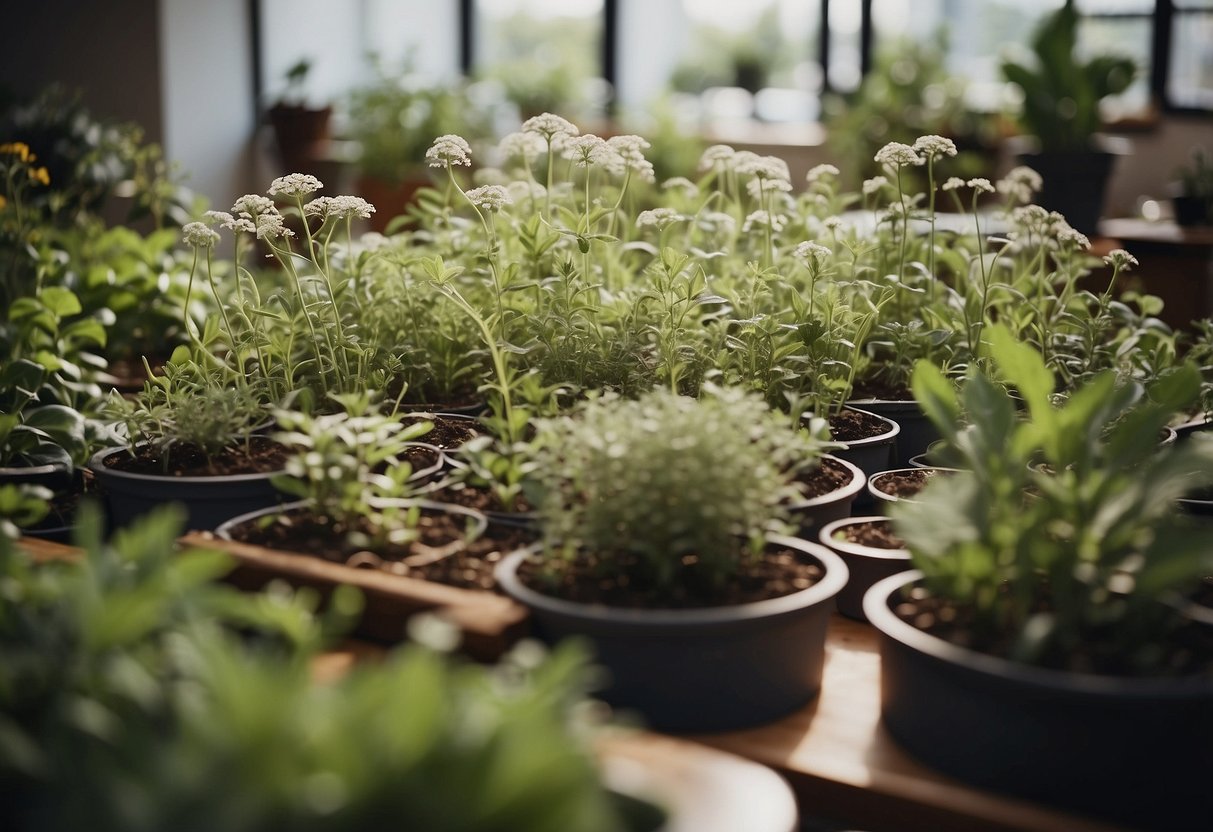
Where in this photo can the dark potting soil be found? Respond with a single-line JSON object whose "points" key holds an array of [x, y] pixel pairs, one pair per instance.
{"points": [[421, 458], [827, 477], [590, 579], [449, 433], [480, 499], [876, 388], [261, 455], [903, 484], [1189, 651], [878, 534], [851, 426], [440, 553]]}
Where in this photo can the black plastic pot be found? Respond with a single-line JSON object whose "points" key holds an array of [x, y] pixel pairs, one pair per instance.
{"points": [[810, 515], [1075, 182], [59, 478], [208, 500], [916, 430], [700, 670], [871, 454], [1131, 750], [865, 564]]}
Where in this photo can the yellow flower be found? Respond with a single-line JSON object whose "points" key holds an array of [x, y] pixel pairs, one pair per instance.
{"points": [[40, 175], [20, 149]]}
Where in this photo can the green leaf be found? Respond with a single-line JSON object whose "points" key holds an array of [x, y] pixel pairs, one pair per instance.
{"points": [[61, 301]]}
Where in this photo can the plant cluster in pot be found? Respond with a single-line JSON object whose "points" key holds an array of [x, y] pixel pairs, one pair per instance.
{"points": [[1039, 649], [195, 437], [659, 546]]}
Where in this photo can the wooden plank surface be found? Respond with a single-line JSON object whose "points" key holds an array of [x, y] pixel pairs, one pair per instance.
{"points": [[843, 765]]}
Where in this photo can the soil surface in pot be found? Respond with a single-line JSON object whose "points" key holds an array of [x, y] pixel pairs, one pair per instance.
{"points": [[826, 478], [440, 554], [261, 456], [449, 433], [878, 534], [421, 458], [1190, 648], [904, 484], [590, 579], [481, 499], [876, 388], [851, 426]]}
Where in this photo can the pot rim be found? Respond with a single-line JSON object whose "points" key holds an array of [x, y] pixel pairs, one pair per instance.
{"points": [[880, 615], [16, 471], [96, 464], [836, 573], [851, 489], [847, 547], [893, 498], [224, 529], [888, 436]]}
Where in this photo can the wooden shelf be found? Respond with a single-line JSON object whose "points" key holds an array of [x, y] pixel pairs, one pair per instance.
{"points": [[843, 765]]}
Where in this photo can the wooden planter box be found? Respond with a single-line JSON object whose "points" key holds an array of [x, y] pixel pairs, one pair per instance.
{"points": [[489, 623]]}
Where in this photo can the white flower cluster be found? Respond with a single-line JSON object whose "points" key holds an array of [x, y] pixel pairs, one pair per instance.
{"points": [[813, 254], [295, 185], [717, 154], [226, 220], [761, 167], [490, 197], [587, 150], [449, 150], [896, 155], [719, 222], [523, 145], [1120, 259], [658, 218], [681, 183], [631, 150], [261, 214], [934, 146], [776, 222], [819, 173], [874, 185], [338, 207], [549, 125], [521, 189], [1021, 184], [199, 234]]}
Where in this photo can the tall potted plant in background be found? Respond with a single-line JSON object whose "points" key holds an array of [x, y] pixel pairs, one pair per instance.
{"points": [[1061, 100], [299, 130]]}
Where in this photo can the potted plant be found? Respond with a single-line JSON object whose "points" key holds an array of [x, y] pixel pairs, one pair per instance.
{"points": [[659, 519], [1039, 648], [872, 552], [224, 686], [1193, 198], [1061, 99], [194, 436], [300, 131]]}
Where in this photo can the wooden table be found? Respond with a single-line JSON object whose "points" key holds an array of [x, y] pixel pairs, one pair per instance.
{"points": [[843, 765]]}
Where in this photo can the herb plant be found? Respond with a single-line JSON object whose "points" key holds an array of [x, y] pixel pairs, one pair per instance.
{"points": [[1066, 564], [652, 486]]}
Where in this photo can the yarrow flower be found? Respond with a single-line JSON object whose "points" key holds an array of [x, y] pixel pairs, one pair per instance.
{"points": [[762, 218], [761, 167], [490, 197], [896, 154], [587, 150], [252, 205], [819, 172], [873, 185], [680, 183], [952, 184], [295, 184], [449, 150], [757, 187], [1020, 184], [715, 155], [658, 218], [521, 144], [338, 207], [1120, 259], [1031, 217], [932, 146], [270, 227], [981, 185], [226, 220], [812, 253], [631, 150], [199, 234], [1067, 235], [549, 125], [832, 223], [521, 189]]}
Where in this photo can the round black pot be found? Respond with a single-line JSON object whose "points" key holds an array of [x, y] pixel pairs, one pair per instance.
{"points": [[478, 522], [1193, 210], [699, 670], [1074, 183], [208, 500], [1134, 751], [871, 454], [810, 515], [865, 564], [916, 430], [59, 478]]}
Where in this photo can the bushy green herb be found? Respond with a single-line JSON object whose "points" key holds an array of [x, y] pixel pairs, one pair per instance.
{"points": [[1064, 564], [137, 695], [651, 484]]}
